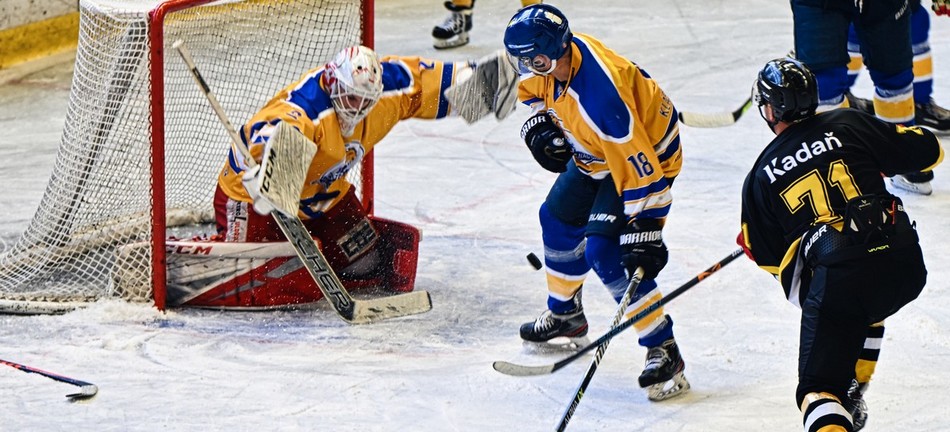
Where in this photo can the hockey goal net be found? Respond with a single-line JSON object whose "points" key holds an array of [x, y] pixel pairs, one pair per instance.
{"points": [[141, 147]]}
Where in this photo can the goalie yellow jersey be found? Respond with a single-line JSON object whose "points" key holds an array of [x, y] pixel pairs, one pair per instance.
{"points": [[618, 121], [412, 88]]}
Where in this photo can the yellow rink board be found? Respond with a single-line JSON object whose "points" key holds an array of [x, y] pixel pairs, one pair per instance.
{"points": [[38, 39]]}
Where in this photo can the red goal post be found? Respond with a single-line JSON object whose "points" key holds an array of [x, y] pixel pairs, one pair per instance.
{"points": [[141, 148]]}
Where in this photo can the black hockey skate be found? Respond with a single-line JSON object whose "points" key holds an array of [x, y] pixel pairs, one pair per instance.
{"points": [[856, 406], [557, 331], [453, 32], [933, 116], [858, 103], [918, 182], [663, 374]]}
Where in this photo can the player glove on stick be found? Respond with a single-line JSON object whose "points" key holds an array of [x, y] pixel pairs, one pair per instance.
{"points": [[547, 143], [641, 245], [941, 7]]}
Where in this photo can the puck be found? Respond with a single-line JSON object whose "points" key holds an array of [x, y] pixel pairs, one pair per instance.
{"points": [[535, 262]]}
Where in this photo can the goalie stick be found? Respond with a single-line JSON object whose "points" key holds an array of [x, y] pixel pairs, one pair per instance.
{"points": [[513, 369], [86, 390], [715, 120], [601, 349], [351, 310]]}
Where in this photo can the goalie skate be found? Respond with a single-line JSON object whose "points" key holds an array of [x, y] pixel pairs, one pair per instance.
{"points": [[662, 377]]}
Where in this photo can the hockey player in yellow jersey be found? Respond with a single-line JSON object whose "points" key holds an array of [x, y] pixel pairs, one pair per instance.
{"points": [[610, 131], [453, 31], [345, 108]]}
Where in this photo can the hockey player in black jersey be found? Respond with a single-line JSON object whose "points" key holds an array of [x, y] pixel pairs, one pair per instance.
{"points": [[816, 214]]}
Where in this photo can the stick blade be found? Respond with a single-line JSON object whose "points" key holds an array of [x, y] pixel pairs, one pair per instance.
{"points": [[86, 391], [367, 311], [513, 369]]}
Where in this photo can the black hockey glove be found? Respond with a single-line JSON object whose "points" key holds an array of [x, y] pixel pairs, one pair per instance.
{"points": [[547, 143], [641, 245]]}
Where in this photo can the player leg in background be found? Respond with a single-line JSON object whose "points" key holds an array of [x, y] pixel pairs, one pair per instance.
{"points": [[926, 111], [662, 375], [453, 31], [563, 218], [888, 54]]}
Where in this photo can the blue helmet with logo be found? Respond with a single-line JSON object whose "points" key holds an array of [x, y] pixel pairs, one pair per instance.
{"points": [[537, 30]]}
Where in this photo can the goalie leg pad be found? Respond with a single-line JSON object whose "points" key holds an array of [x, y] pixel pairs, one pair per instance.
{"points": [[403, 241], [225, 275]]}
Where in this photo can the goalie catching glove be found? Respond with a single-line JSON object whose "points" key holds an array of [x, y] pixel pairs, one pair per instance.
{"points": [[547, 143], [641, 245], [490, 85]]}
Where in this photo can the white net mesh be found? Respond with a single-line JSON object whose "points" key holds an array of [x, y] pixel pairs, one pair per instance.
{"points": [[99, 198]]}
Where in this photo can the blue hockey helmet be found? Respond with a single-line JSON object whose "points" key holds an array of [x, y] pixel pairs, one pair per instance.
{"points": [[789, 88], [537, 36]]}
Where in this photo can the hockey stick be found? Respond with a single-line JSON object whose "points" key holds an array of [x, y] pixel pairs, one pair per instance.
{"points": [[601, 349], [513, 369], [351, 310], [715, 120], [86, 390]]}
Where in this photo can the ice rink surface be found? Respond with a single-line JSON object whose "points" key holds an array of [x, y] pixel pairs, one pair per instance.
{"points": [[474, 192]]}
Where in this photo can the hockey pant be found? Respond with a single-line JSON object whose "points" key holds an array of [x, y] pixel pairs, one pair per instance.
{"points": [[854, 283], [581, 221]]}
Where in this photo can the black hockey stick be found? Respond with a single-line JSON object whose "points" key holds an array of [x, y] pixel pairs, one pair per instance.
{"points": [[513, 369], [601, 349], [86, 390], [715, 120]]}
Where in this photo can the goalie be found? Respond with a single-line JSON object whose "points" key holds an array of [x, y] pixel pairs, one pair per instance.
{"points": [[345, 108]]}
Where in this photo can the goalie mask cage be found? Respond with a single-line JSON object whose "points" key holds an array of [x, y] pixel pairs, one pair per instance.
{"points": [[142, 148]]}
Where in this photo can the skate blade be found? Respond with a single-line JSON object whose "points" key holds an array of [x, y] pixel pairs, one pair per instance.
{"points": [[668, 389], [455, 41], [559, 345], [917, 188]]}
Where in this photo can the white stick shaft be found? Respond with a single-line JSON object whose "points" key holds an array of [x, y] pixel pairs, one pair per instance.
{"points": [[179, 45]]}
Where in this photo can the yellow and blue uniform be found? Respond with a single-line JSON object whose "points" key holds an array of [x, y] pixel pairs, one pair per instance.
{"points": [[412, 88], [624, 133], [618, 121]]}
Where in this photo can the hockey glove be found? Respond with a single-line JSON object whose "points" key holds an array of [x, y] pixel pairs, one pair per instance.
{"points": [[941, 7], [251, 180], [547, 143], [489, 85], [641, 245]]}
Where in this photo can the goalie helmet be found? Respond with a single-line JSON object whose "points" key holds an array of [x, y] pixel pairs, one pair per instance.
{"points": [[537, 36], [789, 88], [355, 82]]}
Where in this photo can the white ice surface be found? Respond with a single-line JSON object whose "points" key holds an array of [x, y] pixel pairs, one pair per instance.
{"points": [[474, 191]]}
